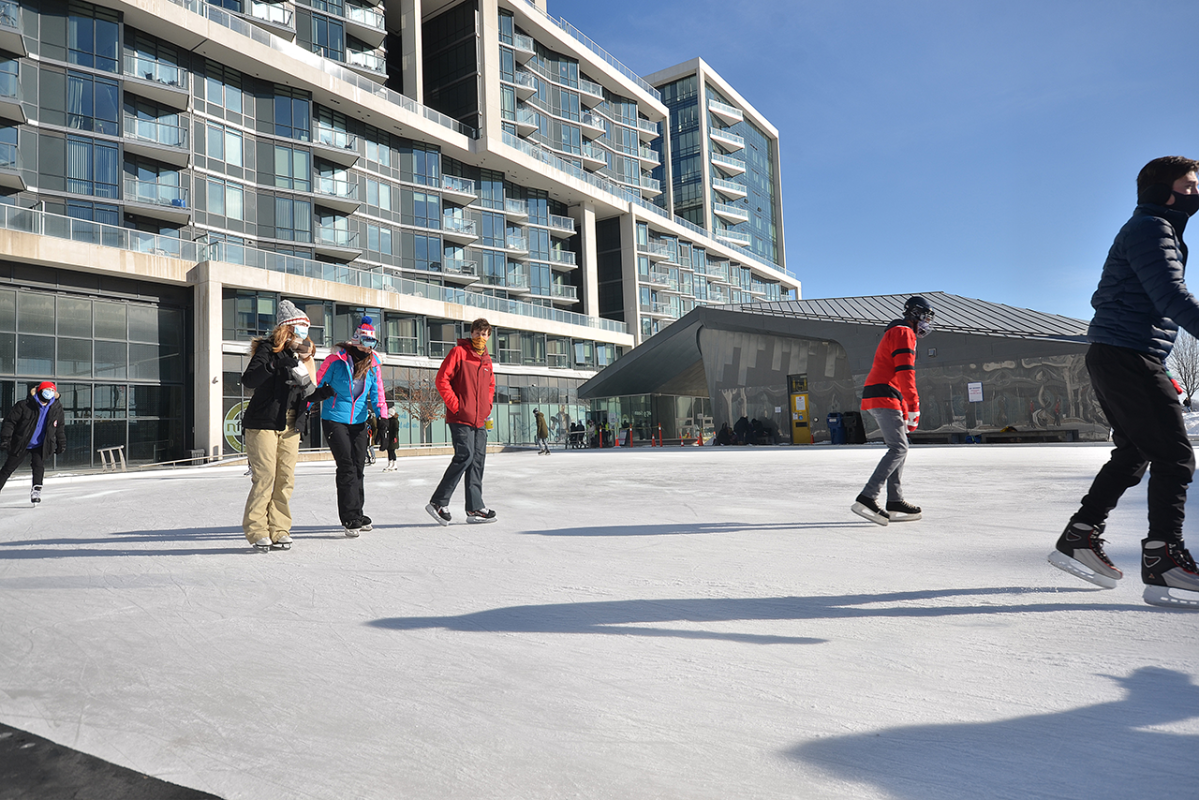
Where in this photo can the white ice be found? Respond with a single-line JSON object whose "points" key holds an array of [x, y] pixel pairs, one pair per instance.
{"points": [[682, 623]]}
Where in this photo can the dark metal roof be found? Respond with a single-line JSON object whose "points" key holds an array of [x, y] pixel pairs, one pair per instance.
{"points": [[955, 314]]}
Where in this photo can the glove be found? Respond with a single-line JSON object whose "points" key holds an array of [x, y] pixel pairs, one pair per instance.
{"points": [[321, 393], [912, 418]]}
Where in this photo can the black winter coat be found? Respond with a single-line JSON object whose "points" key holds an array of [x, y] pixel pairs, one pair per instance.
{"points": [[17, 431], [1142, 299], [269, 375]]}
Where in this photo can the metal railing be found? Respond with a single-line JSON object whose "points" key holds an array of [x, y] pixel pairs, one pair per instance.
{"points": [[367, 60], [156, 194], [518, 244], [335, 138], [452, 183], [336, 187], [516, 206], [148, 130], [523, 43], [149, 69], [564, 291], [337, 237], [562, 257], [463, 225], [458, 266], [332, 68], [591, 87], [560, 223], [366, 17]]}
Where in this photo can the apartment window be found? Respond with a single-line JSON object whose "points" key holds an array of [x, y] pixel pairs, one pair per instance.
{"points": [[153, 59], [378, 242], [418, 251], [420, 209], [378, 195], [328, 37], [378, 149], [226, 199], [507, 26], [93, 37], [92, 104], [92, 167], [293, 219], [224, 144], [292, 114], [293, 169], [420, 165], [222, 87]]}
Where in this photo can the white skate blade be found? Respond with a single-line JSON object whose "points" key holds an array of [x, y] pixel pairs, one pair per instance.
{"points": [[432, 511], [899, 516], [1169, 597], [281, 545], [352, 533], [866, 513], [1080, 570]]}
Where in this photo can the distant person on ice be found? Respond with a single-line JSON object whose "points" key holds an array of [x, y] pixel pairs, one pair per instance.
{"points": [[466, 382], [34, 427], [543, 433], [890, 395], [354, 373], [282, 374], [1139, 306]]}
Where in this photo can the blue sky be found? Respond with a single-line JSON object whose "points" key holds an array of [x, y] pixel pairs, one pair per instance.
{"points": [[987, 149]]}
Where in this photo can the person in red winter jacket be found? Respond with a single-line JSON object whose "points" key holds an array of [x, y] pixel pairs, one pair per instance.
{"points": [[466, 382], [890, 396]]}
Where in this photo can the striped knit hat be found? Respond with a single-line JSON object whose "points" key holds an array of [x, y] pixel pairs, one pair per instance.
{"points": [[290, 315], [365, 333]]}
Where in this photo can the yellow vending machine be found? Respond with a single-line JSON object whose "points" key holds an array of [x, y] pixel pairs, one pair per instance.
{"points": [[801, 412]]}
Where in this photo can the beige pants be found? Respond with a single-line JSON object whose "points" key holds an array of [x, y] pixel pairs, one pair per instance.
{"points": [[272, 456]]}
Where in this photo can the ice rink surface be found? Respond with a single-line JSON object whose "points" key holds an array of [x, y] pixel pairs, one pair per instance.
{"points": [[686, 623]]}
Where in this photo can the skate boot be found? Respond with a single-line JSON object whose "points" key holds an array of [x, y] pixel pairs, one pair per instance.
{"points": [[353, 528], [36, 495], [902, 511], [364, 524], [867, 508], [439, 513], [1170, 575], [1080, 552], [480, 516], [282, 543], [262, 544]]}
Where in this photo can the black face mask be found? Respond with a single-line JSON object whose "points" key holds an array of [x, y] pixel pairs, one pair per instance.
{"points": [[1186, 203]]}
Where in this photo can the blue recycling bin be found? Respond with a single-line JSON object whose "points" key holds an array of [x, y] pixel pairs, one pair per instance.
{"points": [[836, 428]]}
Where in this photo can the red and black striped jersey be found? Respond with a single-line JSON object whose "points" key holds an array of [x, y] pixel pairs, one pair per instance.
{"points": [[892, 379]]}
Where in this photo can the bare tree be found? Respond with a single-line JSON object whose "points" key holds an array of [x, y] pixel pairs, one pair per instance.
{"points": [[1184, 362], [418, 395]]}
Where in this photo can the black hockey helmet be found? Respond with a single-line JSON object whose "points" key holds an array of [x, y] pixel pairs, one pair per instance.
{"points": [[917, 308]]}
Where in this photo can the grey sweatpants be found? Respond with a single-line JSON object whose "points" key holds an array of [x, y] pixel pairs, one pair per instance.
{"points": [[890, 469]]}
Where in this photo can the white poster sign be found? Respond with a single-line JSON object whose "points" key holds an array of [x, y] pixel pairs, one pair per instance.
{"points": [[976, 392]]}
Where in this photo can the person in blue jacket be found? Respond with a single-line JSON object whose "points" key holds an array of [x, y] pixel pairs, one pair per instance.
{"points": [[349, 383], [1139, 306]]}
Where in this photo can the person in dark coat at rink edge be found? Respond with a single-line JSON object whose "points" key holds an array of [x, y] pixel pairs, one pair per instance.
{"points": [[1140, 304], [35, 427], [466, 382]]}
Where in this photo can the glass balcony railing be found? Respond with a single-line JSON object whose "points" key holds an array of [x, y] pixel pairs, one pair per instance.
{"points": [[10, 14], [564, 291], [655, 247], [274, 13], [519, 244], [452, 183], [591, 87], [368, 61], [594, 153], [562, 257], [725, 110], [647, 126], [523, 43], [337, 187], [163, 133], [527, 117], [727, 138], [149, 69], [457, 266], [648, 154], [338, 139], [525, 79], [653, 184], [560, 223], [734, 237], [8, 156], [156, 194], [731, 210], [336, 237], [516, 207], [367, 17], [513, 280], [728, 161], [467, 227], [593, 121], [729, 186], [402, 345], [10, 86]]}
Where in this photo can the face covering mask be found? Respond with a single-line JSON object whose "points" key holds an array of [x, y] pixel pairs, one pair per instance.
{"points": [[1186, 203], [301, 331], [47, 394], [923, 328]]}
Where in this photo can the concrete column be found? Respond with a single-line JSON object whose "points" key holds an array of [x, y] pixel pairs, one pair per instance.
{"points": [[207, 378], [628, 264], [584, 217], [411, 50], [491, 121]]}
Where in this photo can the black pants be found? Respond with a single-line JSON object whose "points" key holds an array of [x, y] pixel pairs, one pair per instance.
{"points": [[36, 461], [470, 453], [1142, 407], [348, 443]]}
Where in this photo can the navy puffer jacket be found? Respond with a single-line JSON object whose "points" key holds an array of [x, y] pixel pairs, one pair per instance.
{"points": [[1142, 299]]}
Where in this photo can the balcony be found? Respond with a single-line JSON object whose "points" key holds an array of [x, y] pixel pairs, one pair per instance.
{"points": [[727, 164], [523, 47], [648, 156], [366, 24], [656, 278], [594, 156], [459, 190], [656, 250], [517, 246], [647, 130], [11, 39], [729, 188], [731, 213], [731, 142], [337, 146], [336, 243], [730, 115], [460, 271], [161, 141], [369, 64], [459, 229], [526, 120], [159, 81], [733, 237], [526, 84], [10, 176], [157, 200], [516, 209], [274, 18], [659, 310], [650, 186], [593, 124], [590, 93], [559, 224], [10, 97], [563, 257], [337, 193], [514, 281]]}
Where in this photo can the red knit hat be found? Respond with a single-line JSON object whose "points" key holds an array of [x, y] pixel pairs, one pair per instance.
{"points": [[46, 385]]}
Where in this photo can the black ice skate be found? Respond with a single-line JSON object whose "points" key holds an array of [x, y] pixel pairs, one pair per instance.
{"points": [[1170, 575], [353, 528], [480, 516], [1080, 552], [442, 515], [902, 511], [867, 508], [364, 524]]}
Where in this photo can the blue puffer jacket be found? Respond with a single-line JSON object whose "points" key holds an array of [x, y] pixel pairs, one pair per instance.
{"points": [[1142, 299], [337, 372]]}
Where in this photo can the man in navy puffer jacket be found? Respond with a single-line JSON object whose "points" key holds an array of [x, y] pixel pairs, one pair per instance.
{"points": [[1139, 306]]}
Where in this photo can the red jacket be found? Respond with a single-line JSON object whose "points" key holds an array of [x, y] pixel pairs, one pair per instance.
{"points": [[467, 384], [892, 379]]}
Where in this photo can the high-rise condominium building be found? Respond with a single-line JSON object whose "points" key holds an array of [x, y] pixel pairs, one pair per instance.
{"points": [[170, 170]]}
